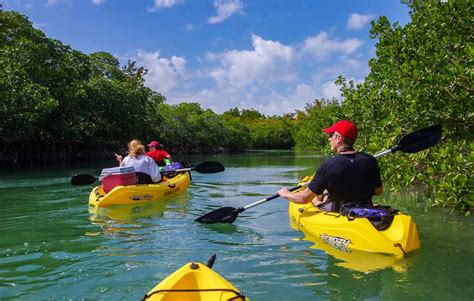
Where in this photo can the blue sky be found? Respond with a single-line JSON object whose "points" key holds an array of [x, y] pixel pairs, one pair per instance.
{"points": [[273, 56]]}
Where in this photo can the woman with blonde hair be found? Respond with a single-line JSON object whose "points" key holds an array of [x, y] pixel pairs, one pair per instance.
{"points": [[138, 159]]}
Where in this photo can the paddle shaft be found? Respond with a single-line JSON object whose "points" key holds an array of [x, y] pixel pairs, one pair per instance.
{"points": [[304, 184], [204, 167], [423, 138], [410, 143], [386, 152], [182, 169], [272, 197]]}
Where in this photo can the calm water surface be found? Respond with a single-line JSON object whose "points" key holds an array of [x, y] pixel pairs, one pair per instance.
{"points": [[53, 248]]}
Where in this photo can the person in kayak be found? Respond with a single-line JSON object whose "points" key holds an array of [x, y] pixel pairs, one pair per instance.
{"points": [[141, 162], [350, 178], [160, 156]]}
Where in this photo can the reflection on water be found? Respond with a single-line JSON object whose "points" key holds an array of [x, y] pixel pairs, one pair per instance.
{"points": [[357, 260], [127, 213], [126, 218]]}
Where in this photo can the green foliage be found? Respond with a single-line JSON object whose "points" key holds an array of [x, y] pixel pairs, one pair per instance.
{"points": [[420, 76], [238, 135], [105, 65], [317, 116], [261, 131], [187, 128], [61, 100]]}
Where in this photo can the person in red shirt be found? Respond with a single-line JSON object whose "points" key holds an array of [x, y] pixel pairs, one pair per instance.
{"points": [[159, 155]]}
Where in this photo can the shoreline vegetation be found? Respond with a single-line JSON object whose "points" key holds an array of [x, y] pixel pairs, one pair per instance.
{"points": [[61, 105]]}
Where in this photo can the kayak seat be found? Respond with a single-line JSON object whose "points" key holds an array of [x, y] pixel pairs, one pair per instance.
{"points": [[379, 216], [143, 178]]}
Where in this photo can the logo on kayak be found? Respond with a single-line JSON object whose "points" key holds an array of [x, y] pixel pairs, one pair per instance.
{"points": [[145, 197], [172, 191], [336, 242]]}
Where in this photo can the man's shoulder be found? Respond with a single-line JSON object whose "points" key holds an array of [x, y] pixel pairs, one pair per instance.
{"points": [[343, 159], [365, 156], [362, 154]]}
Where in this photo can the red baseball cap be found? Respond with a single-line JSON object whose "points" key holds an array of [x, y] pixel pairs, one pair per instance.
{"points": [[154, 143], [343, 127]]}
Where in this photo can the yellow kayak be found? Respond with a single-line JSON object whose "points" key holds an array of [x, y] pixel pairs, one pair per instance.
{"points": [[140, 193], [195, 281], [345, 234], [349, 234]]}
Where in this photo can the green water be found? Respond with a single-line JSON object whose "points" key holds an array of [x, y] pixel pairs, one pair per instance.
{"points": [[53, 248]]}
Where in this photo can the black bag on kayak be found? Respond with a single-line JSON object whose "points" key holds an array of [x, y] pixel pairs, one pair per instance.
{"points": [[380, 217]]}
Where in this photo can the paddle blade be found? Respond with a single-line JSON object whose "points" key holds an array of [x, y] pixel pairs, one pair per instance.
{"points": [[209, 167], [420, 140], [221, 215], [78, 180]]}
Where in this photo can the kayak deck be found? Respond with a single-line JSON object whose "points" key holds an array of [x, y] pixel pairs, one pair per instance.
{"points": [[194, 281], [346, 235], [140, 193]]}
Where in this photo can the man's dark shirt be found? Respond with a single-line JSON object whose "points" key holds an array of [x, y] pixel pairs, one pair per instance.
{"points": [[349, 178]]}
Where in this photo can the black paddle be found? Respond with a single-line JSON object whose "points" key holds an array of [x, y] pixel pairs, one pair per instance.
{"points": [[204, 167], [416, 141], [410, 143]]}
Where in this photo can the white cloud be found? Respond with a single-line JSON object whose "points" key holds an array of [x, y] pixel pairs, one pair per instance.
{"points": [[347, 67], [98, 2], [51, 2], [264, 99], [189, 27], [296, 99], [322, 46], [225, 9], [159, 4], [331, 90], [356, 21], [271, 77], [40, 26], [163, 74], [269, 61]]}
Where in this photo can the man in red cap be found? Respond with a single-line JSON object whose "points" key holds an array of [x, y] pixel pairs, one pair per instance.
{"points": [[159, 155], [349, 178]]}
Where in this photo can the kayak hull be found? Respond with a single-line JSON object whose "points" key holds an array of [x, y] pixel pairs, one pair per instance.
{"points": [[194, 281], [139, 194], [359, 261], [357, 234]]}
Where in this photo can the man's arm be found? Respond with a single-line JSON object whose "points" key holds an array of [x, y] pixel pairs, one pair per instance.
{"points": [[300, 197]]}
